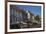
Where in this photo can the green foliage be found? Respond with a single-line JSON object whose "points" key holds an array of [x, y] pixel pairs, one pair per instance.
{"points": [[37, 18]]}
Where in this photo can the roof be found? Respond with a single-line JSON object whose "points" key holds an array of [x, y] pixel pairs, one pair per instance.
{"points": [[21, 10], [24, 11], [30, 12]]}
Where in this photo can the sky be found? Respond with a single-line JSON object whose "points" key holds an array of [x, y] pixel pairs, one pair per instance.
{"points": [[36, 10]]}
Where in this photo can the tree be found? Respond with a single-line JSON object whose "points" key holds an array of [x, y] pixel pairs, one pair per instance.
{"points": [[37, 18]]}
